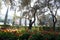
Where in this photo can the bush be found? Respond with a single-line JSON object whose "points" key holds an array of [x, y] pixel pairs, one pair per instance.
{"points": [[25, 36], [36, 36], [29, 35], [58, 29], [46, 28], [7, 36], [49, 37], [58, 37]]}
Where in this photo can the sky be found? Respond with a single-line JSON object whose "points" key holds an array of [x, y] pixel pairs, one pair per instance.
{"points": [[11, 13]]}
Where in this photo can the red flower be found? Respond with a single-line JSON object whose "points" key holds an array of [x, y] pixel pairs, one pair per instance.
{"points": [[17, 34], [44, 32], [30, 36], [51, 30], [56, 33]]}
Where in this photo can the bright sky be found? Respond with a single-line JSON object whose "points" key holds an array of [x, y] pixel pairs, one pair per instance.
{"points": [[10, 13], [58, 12]]}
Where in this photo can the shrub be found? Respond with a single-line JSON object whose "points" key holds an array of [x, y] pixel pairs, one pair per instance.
{"points": [[46, 28], [25, 36], [49, 37], [36, 36], [58, 37], [7, 36]]}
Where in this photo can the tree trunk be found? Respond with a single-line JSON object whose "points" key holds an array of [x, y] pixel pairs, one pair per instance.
{"points": [[13, 21], [34, 23], [5, 21], [25, 22], [14, 18], [54, 26], [20, 22], [31, 22], [54, 21]]}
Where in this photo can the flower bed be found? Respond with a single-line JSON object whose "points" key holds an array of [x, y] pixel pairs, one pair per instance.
{"points": [[26, 34]]}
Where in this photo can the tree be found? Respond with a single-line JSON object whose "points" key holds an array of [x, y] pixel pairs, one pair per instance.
{"points": [[32, 13], [14, 18], [0, 4], [37, 6], [25, 14], [7, 5], [51, 7], [5, 21], [25, 2]]}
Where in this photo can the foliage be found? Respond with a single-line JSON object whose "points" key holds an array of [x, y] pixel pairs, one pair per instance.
{"points": [[36, 36], [25, 2], [58, 37], [25, 36], [5, 26], [46, 28], [49, 37], [7, 36]]}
